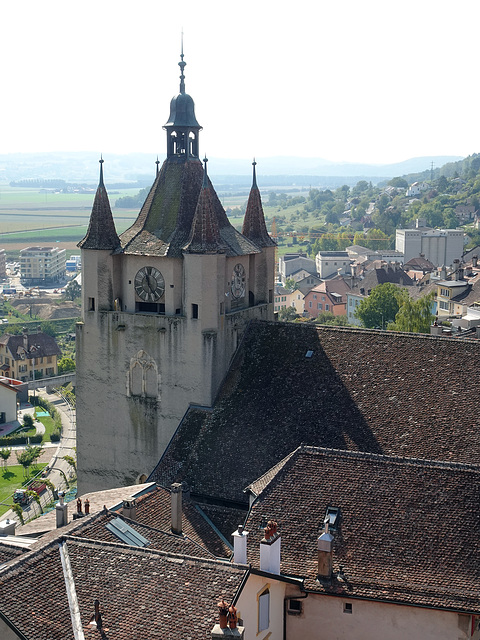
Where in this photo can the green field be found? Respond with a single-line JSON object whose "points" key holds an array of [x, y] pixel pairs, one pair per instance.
{"points": [[12, 478]]}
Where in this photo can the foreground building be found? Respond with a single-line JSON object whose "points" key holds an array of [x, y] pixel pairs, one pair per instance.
{"points": [[165, 306]]}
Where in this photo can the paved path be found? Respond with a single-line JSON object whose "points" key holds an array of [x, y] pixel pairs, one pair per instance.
{"points": [[59, 469]]}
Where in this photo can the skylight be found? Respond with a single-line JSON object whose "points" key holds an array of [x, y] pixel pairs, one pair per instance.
{"points": [[126, 534]]}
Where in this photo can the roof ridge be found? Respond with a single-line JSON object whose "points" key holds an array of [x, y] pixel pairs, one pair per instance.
{"points": [[145, 550], [423, 462]]}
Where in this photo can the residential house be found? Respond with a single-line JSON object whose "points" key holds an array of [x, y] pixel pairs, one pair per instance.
{"points": [[372, 538], [415, 189], [8, 402], [29, 356], [465, 213], [329, 295], [280, 298]]}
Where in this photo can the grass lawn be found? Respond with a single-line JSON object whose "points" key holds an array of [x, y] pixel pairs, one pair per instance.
{"points": [[49, 425], [12, 478]]}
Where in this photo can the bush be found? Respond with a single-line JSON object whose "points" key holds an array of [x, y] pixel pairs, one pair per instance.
{"points": [[19, 439], [28, 421], [55, 435]]}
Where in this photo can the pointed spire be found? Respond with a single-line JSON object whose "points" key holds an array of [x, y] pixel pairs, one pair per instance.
{"points": [[157, 162], [254, 227], [101, 161], [182, 66], [205, 233], [101, 234]]}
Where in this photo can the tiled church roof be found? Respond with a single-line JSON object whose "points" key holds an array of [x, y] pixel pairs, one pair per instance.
{"points": [[381, 392], [165, 221]]}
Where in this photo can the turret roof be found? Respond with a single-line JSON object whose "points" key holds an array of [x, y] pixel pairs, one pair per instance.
{"points": [[254, 226], [101, 234]]}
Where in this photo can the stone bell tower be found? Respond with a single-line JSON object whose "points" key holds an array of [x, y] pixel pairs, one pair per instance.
{"points": [[164, 306]]}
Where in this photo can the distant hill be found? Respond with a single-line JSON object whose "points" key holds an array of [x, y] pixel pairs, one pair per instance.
{"points": [[140, 167]]}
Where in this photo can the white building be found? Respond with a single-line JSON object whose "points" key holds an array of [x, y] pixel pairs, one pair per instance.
{"points": [[330, 263], [439, 246], [291, 263], [42, 265]]}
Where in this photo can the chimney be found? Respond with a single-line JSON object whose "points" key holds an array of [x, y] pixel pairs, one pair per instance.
{"points": [[176, 498], [325, 553], [227, 625], [474, 261], [461, 271], [61, 509], [129, 508], [270, 549], [240, 545], [25, 338], [7, 527]]}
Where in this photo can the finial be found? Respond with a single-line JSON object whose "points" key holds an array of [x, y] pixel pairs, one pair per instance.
{"points": [[205, 181], [157, 162], [101, 161], [254, 185], [182, 66]]}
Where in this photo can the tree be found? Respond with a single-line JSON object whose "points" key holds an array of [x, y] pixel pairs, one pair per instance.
{"points": [[73, 290], [5, 454], [28, 421], [66, 364], [381, 306], [414, 316], [288, 314], [290, 284], [25, 460], [48, 328], [398, 183]]}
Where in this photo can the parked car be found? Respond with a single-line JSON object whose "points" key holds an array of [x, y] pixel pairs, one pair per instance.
{"points": [[20, 496]]}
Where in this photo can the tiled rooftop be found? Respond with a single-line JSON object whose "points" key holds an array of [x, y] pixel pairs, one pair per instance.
{"points": [[143, 593], [408, 528], [381, 392]]}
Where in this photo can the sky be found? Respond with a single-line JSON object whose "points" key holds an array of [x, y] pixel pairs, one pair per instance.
{"points": [[344, 80]]}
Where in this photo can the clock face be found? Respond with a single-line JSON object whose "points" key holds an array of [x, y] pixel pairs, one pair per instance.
{"points": [[238, 281], [149, 284]]}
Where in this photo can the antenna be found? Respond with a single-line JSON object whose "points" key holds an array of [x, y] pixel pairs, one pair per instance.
{"points": [[431, 171]]}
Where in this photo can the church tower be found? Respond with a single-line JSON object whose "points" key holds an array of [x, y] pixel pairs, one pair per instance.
{"points": [[164, 307]]}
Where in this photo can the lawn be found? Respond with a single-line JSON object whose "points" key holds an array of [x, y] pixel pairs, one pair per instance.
{"points": [[12, 478]]}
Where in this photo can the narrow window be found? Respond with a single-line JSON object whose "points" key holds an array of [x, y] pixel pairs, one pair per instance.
{"points": [[195, 311], [91, 304], [264, 610], [347, 607]]}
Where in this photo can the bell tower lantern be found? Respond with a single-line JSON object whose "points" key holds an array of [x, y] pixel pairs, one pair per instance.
{"points": [[182, 127]]}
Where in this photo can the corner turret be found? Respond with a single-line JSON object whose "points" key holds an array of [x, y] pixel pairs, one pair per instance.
{"points": [[254, 227], [101, 234]]}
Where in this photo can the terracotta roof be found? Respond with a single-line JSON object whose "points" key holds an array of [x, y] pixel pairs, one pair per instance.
{"points": [[165, 221], [408, 529], [101, 232], [154, 510], [39, 345], [142, 592], [9, 552], [359, 391], [94, 528]]}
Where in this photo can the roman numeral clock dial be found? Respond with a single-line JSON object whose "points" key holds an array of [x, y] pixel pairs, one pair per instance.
{"points": [[149, 284]]}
